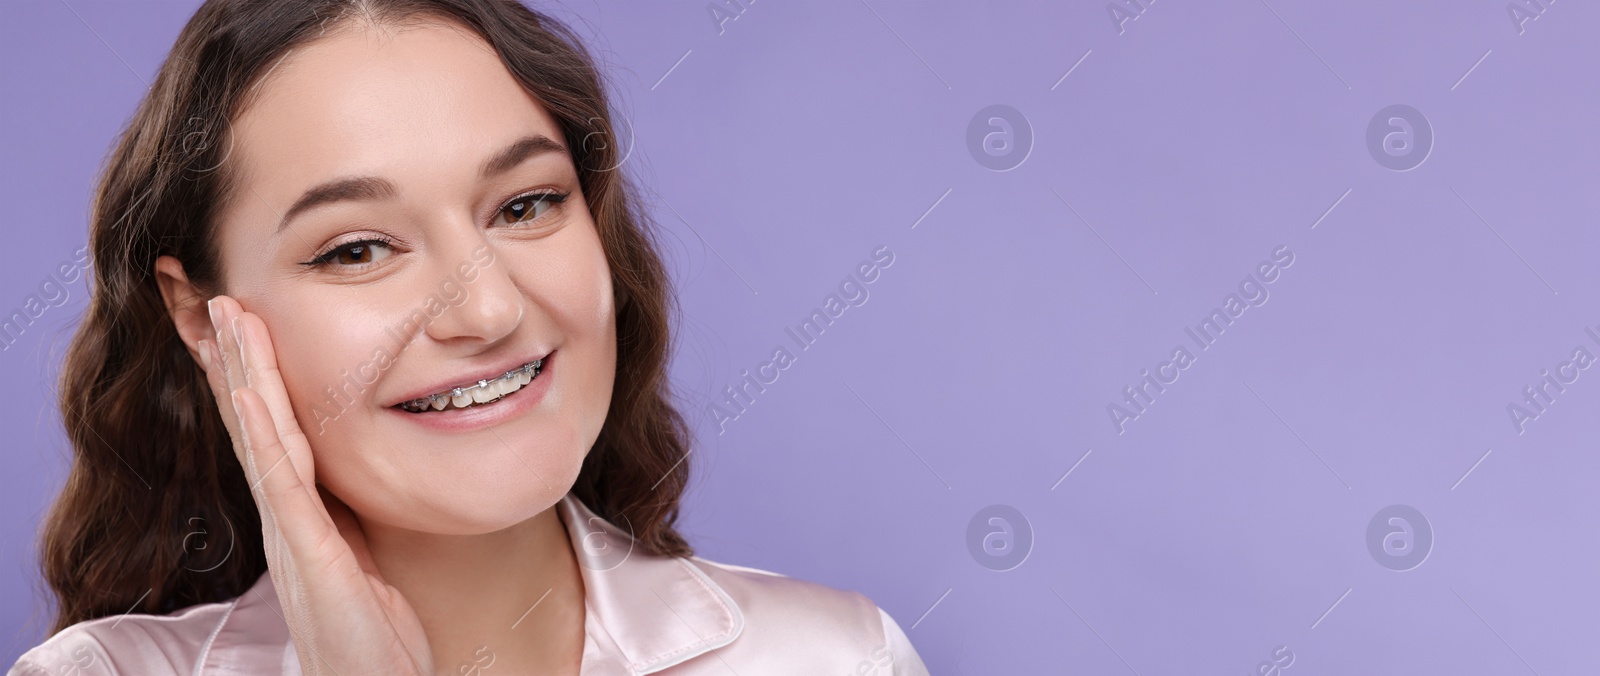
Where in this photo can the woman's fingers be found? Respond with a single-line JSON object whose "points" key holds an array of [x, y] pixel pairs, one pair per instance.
{"points": [[297, 515], [221, 319], [222, 373], [250, 360], [242, 356], [211, 359], [259, 364]]}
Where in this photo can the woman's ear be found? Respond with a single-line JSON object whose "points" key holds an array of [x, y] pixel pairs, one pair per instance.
{"points": [[185, 305]]}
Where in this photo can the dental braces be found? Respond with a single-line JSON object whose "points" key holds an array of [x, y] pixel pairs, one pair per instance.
{"points": [[426, 403]]}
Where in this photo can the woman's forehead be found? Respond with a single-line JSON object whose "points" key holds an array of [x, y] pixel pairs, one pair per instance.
{"points": [[363, 83], [429, 102]]}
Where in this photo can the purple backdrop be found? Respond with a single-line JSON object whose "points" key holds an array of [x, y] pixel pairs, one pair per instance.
{"points": [[1069, 190]]}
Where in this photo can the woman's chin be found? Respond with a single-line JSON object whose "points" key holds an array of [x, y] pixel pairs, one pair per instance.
{"points": [[465, 515], [460, 491]]}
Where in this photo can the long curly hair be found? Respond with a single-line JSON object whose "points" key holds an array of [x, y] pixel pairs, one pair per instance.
{"points": [[153, 466]]}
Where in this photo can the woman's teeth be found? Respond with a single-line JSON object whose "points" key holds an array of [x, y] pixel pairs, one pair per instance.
{"points": [[484, 392]]}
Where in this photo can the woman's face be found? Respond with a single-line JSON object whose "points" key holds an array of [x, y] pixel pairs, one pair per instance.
{"points": [[455, 237]]}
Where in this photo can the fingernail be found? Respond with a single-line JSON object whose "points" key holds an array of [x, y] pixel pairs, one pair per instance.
{"points": [[216, 315], [204, 348]]}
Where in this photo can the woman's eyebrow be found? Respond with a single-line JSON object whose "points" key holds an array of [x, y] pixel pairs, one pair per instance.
{"points": [[520, 151], [373, 188], [363, 188]]}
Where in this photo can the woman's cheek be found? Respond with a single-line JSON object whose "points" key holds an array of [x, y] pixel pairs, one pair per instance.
{"points": [[326, 362]]}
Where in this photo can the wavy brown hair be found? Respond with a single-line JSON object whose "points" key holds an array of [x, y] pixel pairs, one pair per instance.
{"points": [[153, 466]]}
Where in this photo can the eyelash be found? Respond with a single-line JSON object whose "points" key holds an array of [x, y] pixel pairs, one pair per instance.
{"points": [[551, 197]]}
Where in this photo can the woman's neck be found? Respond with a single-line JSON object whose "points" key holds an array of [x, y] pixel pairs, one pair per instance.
{"points": [[513, 598]]}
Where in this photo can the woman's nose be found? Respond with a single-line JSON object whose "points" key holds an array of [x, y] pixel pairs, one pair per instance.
{"points": [[486, 306]]}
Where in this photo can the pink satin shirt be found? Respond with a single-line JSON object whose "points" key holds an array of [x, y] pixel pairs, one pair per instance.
{"points": [[643, 615]]}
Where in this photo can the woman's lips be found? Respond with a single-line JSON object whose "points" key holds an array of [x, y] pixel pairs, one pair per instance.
{"points": [[490, 413], [460, 382], [478, 394]]}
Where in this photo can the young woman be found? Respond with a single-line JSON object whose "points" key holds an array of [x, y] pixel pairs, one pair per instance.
{"points": [[373, 377]]}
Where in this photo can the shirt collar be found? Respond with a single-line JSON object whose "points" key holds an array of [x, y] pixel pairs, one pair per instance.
{"points": [[656, 611], [643, 613]]}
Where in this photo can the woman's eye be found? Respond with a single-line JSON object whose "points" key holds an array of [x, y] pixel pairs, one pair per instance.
{"points": [[530, 207], [364, 252]]}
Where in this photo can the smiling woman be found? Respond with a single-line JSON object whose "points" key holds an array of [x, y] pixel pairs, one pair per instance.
{"points": [[384, 221]]}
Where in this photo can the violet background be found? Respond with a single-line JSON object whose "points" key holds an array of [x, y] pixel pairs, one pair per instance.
{"points": [[784, 146]]}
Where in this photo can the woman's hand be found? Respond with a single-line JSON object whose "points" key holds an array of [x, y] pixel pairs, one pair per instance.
{"points": [[344, 618]]}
